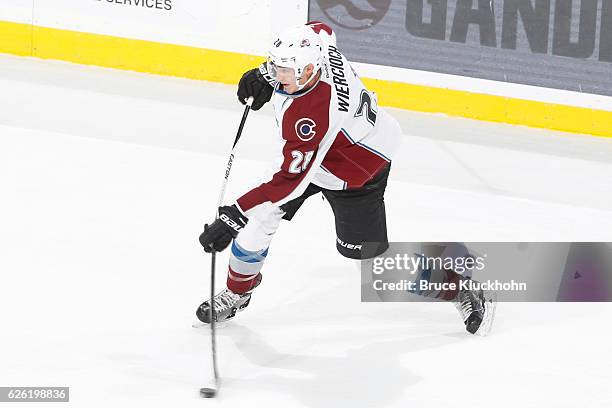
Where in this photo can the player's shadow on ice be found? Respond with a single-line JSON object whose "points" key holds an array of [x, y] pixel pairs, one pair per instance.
{"points": [[370, 376]]}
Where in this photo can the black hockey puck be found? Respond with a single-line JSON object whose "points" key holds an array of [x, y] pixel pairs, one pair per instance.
{"points": [[208, 392]]}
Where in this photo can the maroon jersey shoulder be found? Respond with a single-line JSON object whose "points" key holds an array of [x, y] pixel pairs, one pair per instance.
{"points": [[307, 118]]}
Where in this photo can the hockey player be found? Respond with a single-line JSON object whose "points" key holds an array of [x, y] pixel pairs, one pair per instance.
{"points": [[337, 142]]}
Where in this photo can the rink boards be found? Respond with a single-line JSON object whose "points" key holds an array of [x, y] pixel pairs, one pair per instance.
{"points": [[188, 38]]}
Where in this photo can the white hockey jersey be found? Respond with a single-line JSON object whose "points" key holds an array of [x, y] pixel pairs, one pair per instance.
{"points": [[334, 134]]}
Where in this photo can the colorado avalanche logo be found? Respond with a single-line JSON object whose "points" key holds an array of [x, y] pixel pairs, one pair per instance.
{"points": [[304, 128]]}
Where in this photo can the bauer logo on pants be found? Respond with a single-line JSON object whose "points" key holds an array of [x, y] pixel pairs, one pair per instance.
{"points": [[355, 247]]}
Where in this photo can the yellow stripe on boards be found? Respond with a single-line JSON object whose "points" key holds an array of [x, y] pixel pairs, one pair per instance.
{"points": [[140, 55], [492, 108], [227, 67], [15, 38]]}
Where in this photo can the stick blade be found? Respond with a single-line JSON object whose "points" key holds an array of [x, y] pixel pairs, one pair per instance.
{"points": [[207, 392]]}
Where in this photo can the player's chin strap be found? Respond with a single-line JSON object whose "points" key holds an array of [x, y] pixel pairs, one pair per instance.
{"points": [[297, 80], [300, 91]]}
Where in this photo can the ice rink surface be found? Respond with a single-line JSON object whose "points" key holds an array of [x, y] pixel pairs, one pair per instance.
{"points": [[107, 177]]}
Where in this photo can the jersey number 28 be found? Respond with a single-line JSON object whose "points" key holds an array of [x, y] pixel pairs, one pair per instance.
{"points": [[300, 161]]}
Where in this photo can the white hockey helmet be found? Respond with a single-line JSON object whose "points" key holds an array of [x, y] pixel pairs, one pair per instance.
{"points": [[295, 49]]}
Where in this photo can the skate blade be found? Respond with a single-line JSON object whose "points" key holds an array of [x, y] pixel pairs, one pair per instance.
{"points": [[200, 325], [489, 316]]}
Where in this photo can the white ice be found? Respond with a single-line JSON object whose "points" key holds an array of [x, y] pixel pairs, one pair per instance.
{"points": [[107, 177]]}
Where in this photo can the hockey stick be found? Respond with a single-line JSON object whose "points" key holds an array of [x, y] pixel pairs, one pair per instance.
{"points": [[211, 392]]}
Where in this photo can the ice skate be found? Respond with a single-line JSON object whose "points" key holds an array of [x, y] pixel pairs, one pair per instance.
{"points": [[227, 304], [477, 310]]}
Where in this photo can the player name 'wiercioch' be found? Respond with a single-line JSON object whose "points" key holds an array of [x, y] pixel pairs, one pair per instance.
{"points": [[340, 83]]}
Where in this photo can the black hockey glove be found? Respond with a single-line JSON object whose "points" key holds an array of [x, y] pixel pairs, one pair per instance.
{"points": [[220, 233], [258, 84]]}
